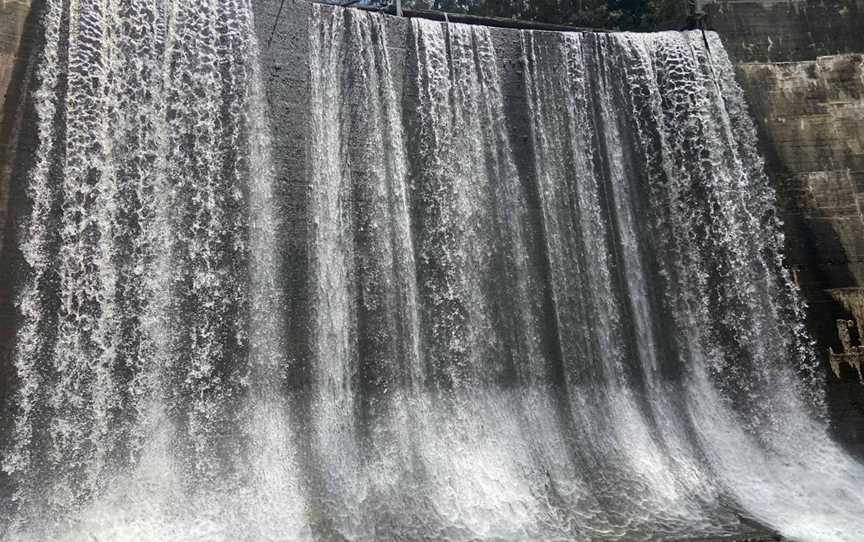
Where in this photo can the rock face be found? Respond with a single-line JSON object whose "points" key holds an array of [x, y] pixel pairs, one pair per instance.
{"points": [[802, 69]]}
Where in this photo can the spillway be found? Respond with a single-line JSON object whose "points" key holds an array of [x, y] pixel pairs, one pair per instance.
{"points": [[552, 313]]}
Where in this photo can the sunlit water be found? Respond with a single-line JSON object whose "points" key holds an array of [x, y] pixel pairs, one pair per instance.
{"points": [[596, 341]]}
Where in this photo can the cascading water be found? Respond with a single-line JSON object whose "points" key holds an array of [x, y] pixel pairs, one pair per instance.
{"points": [[583, 333], [148, 355]]}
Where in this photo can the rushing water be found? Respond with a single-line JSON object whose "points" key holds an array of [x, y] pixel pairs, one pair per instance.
{"points": [[544, 307]]}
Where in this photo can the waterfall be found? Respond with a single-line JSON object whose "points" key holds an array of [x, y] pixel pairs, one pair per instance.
{"points": [[543, 294], [148, 350]]}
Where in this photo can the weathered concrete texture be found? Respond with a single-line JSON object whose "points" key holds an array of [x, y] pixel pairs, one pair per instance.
{"points": [[787, 30], [811, 120], [13, 15], [802, 70], [16, 45], [811, 116], [285, 69], [847, 364]]}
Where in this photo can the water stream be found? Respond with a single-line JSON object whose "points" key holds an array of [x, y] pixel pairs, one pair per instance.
{"points": [[542, 306]]}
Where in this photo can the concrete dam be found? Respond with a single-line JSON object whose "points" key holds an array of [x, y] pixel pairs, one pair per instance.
{"points": [[323, 273]]}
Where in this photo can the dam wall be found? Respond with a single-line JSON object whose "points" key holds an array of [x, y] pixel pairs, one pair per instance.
{"points": [[13, 54], [15, 51], [363, 270], [801, 65]]}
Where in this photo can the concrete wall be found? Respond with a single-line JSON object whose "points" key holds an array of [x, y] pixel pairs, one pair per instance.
{"points": [[787, 30], [286, 68], [13, 17], [799, 62], [16, 44], [802, 69], [13, 13]]}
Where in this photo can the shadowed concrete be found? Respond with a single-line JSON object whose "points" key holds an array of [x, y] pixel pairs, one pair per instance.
{"points": [[13, 54], [801, 67], [16, 46]]}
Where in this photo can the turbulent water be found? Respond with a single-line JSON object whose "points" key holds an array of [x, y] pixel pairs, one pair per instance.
{"points": [[543, 294]]}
